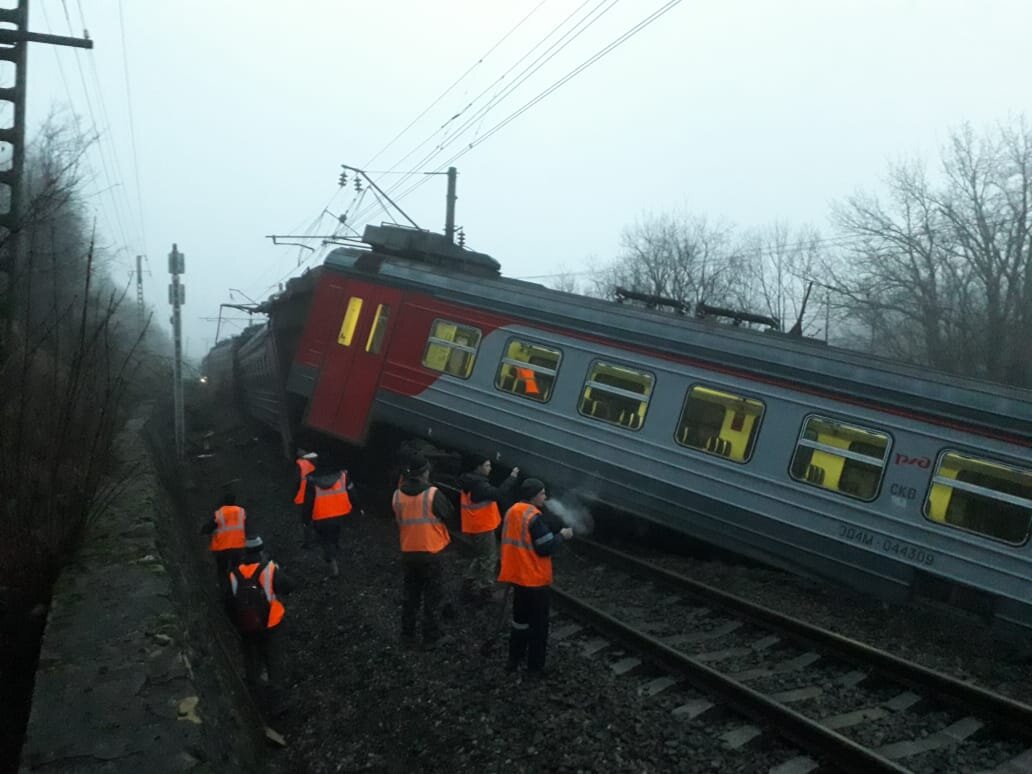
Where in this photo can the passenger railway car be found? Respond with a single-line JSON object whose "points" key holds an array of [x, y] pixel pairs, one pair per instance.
{"points": [[886, 477]]}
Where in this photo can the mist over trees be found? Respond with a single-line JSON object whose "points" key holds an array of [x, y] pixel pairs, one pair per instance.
{"points": [[936, 269], [74, 353]]}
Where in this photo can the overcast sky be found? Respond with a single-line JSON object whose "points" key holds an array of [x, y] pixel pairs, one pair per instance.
{"points": [[746, 110]]}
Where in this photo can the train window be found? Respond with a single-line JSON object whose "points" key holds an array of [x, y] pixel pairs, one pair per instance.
{"points": [[842, 458], [528, 370], [350, 322], [616, 394], [379, 329], [981, 496], [451, 348], [719, 423]]}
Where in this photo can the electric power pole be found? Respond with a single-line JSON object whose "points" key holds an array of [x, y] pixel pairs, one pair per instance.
{"points": [[177, 297], [14, 40], [139, 288], [449, 217]]}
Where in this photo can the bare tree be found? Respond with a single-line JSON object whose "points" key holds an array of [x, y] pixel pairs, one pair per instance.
{"points": [[685, 258], [71, 360], [780, 267], [939, 272]]}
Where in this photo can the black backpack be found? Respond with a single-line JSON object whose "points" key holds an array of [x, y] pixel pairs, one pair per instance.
{"points": [[250, 605]]}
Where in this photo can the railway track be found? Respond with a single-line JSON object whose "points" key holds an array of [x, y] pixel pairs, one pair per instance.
{"points": [[839, 701]]}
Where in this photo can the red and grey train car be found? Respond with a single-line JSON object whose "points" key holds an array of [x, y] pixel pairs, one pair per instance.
{"points": [[886, 477]]}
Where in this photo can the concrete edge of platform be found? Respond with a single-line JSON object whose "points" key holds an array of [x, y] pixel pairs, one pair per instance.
{"points": [[125, 680]]}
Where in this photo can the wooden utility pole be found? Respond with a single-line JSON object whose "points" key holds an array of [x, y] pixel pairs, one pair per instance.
{"points": [[177, 297], [14, 40], [449, 217]]}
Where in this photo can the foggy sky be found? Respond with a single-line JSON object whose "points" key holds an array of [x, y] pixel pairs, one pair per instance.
{"points": [[748, 111]]}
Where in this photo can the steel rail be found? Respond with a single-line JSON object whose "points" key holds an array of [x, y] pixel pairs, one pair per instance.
{"points": [[1011, 714], [809, 734]]}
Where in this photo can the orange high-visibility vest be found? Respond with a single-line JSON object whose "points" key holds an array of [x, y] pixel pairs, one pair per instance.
{"points": [[478, 517], [305, 467], [333, 502], [521, 564], [229, 528], [418, 527], [266, 579], [529, 379]]}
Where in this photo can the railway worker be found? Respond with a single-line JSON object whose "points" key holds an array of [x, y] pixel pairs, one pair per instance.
{"points": [[529, 380], [481, 516], [255, 585], [421, 511], [227, 528], [528, 545], [305, 465], [328, 501]]}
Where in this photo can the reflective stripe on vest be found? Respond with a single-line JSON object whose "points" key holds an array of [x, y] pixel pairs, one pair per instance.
{"points": [[418, 528], [332, 502], [267, 581], [521, 564], [478, 517], [305, 467], [229, 528]]}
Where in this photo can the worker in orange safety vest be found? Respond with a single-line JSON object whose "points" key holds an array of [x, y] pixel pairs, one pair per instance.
{"points": [[329, 500], [528, 378], [255, 586], [421, 511], [482, 506], [528, 544], [305, 464], [227, 528]]}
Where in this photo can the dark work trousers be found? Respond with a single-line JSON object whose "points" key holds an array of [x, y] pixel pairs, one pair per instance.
{"points": [[306, 527], [328, 533], [529, 634], [262, 651], [423, 585], [226, 561]]}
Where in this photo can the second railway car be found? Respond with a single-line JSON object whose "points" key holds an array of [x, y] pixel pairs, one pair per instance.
{"points": [[876, 474]]}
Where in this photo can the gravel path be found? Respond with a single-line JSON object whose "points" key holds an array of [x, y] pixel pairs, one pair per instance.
{"points": [[361, 702]]}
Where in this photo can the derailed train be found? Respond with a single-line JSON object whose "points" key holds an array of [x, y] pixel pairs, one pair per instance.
{"points": [[883, 476]]}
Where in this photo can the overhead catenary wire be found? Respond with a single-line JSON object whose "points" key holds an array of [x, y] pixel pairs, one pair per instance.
{"points": [[132, 121], [455, 83], [554, 86], [112, 183], [579, 27]]}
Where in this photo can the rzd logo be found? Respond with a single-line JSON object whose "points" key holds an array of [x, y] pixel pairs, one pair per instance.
{"points": [[921, 462]]}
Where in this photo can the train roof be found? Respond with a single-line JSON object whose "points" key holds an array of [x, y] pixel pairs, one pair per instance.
{"points": [[768, 356]]}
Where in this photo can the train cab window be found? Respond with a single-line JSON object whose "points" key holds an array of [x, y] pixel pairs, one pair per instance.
{"points": [[842, 458], [719, 423], [451, 348], [981, 496], [528, 370], [616, 394], [378, 329], [350, 322]]}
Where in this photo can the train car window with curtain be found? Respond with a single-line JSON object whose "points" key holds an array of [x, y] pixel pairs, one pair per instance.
{"points": [[451, 348], [841, 458], [616, 394], [528, 370], [719, 423], [350, 322], [981, 496]]}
